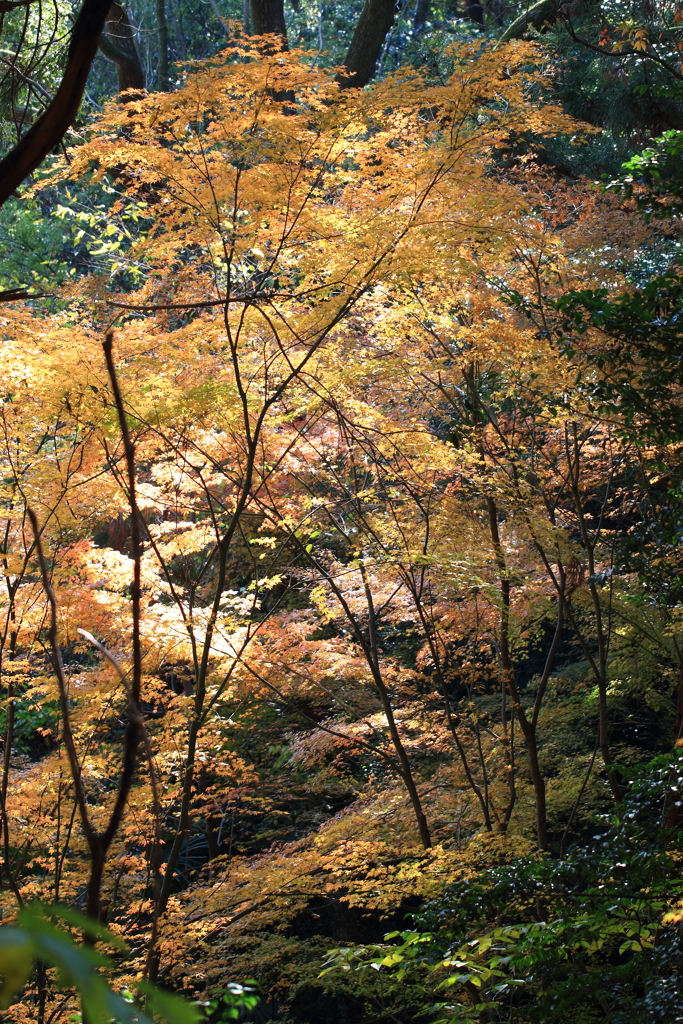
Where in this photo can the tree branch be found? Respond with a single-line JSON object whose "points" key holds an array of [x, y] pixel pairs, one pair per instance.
{"points": [[58, 665], [50, 128]]}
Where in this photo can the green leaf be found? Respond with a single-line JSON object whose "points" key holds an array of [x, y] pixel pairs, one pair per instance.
{"points": [[16, 962], [169, 1007], [86, 925]]}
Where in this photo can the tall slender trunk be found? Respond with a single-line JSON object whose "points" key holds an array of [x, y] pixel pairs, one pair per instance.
{"points": [[201, 671], [480, 792], [526, 724], [9, 731], [162, 38], [42, 986], [177, 17], [372, 656], [99, 842], [368, 643], [538, 782], [505, 656], [602, 634], [406, 770]]}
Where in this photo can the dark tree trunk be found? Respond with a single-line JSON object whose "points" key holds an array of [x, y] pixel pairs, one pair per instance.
{"points": [[678, 725], [475, 12], [179, 31], [374, 23], [268, 18], [162, 35], [118, 45], [50, 128], [422, 12]]}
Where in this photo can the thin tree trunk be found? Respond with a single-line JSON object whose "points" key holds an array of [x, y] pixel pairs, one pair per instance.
{"points": [[6, 869], [481, 795], [99, 842], [376, 19], [372, 656], [162, 36], [505, 656], [201, 670], [177, 18], [678, 724], [369, 646], [224, 24], [538, 782], [602, 635]]}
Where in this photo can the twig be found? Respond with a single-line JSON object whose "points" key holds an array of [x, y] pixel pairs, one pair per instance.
{"points": [[153, 784], [14, 294], [58, 664], [136, 541], [245, 299]]}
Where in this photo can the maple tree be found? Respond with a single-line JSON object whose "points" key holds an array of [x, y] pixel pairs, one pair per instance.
{"points": [[334, 540]]}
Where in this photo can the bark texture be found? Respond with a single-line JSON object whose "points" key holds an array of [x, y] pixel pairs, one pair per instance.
{"points": [[268, 18], [162, 36], [118, 43], [50, 128], [376, 19], [545, 11]]}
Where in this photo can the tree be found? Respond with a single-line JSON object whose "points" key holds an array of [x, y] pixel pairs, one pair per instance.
{"points": [[345, 576], [50, 128], [245, 283], [162, 33], [268, 18], [118, 43], [375, 21]]}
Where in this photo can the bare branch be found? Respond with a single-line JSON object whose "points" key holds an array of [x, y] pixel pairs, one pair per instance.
{"points": [[58, 665]]}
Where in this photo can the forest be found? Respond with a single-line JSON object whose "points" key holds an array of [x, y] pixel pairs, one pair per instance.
{"points": [[341, 511]]}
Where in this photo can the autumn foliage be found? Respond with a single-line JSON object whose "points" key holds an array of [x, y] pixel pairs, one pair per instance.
{"points": [[385, 620]]}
